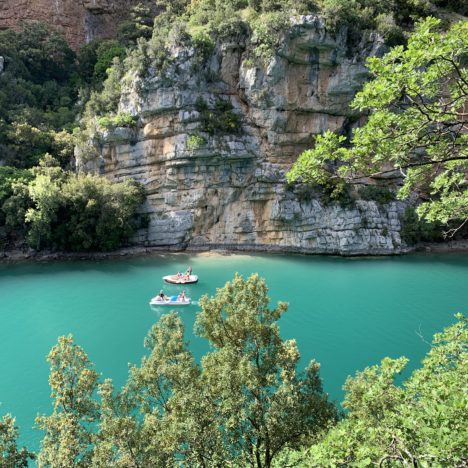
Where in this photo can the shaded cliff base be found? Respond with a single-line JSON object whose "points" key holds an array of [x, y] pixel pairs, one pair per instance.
{"points": [[29, 255]]}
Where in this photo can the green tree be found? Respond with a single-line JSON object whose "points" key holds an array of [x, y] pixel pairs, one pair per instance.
{"points": [[106, 101], [160, 391], [69, 212], [264, 404], [241, 406], [173, 7], [68, 439], [8, 175], [105, 54], [140, 24], [420, 423], [10, 455], [37, 93], [417, 126]]}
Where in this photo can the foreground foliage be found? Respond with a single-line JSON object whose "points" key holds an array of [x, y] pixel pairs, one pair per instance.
{"points": [[417, 126], [421, 423], [10, 455], [73, 380], [240, 406]]}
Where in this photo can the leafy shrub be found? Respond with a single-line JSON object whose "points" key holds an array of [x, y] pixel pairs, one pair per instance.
{"points": [[106, 101], [64, 211], [416, 230], [204, 46], [391, 19], [158, 51], [105, 54], [381, 195], [419, 422], [268, 29], [119, 120], [219, 119], [195, 141], [139, 25], [8, 177]]}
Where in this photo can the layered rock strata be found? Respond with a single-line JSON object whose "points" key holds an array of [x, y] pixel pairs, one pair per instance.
{"points": [[229, 190]]}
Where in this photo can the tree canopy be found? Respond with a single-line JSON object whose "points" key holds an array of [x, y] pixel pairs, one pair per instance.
{"points": [[416, 126], [10, 455], [422, 422], [68, 435], [50, 208]]}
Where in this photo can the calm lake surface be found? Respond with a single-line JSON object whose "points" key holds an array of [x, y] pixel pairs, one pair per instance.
{"points": [[345, 313]]}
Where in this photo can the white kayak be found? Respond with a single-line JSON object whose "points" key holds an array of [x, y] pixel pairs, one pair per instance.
{"points": [[170, 301], [174, 279]]}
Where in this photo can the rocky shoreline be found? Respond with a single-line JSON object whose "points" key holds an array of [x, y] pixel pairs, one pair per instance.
{"points": [[18, 255]]}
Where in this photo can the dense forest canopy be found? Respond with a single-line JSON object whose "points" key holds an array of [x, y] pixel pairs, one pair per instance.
{"points": [[246, 403], [37, 95], [43, 203]]}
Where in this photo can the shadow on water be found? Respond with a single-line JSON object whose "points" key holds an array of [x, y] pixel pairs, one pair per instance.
{"points": [[122, 265], [110, 265]]}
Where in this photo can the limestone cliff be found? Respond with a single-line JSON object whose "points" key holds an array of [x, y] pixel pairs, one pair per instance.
{"points": [[80, 20], [229, 189]]}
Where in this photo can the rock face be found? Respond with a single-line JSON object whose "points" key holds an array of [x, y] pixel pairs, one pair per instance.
{"points": [[228, 190], [80, 20]]}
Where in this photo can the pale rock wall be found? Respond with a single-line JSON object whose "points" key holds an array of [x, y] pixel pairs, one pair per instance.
{"points": [[231, 193]]}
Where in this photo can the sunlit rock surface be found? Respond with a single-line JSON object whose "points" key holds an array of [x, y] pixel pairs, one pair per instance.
{"points": [[230, 191]]}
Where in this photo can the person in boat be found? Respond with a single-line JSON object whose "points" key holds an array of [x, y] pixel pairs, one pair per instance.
{"points": [[161, 296], [182, 297], [189, 271]]}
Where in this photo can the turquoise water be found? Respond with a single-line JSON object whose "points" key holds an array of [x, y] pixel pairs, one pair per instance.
{"points": [[346, 313]]}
